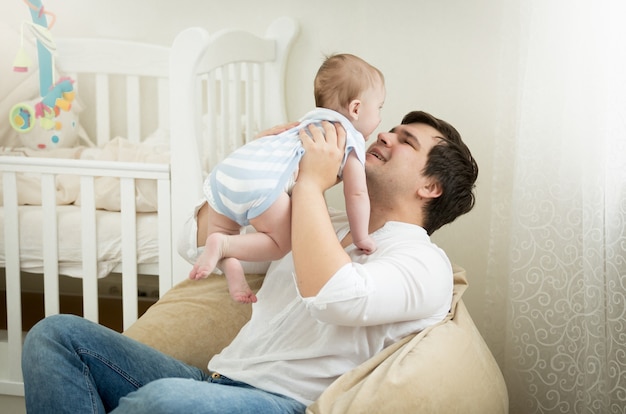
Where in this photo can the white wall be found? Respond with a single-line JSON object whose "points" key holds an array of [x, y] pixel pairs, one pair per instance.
{"points": [[439, 56]]}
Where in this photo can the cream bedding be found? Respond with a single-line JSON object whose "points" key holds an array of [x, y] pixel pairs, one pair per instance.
{"points": [[108, 226], [106, 188]]}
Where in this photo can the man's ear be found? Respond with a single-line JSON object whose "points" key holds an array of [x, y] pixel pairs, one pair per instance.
{"points": [[430, 190], [354, 107]]}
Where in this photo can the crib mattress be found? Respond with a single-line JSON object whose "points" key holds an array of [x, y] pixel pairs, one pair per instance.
{"points": [[108, 233]]}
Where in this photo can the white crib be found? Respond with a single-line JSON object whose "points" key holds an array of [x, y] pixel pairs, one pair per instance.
{"points": [[208, 93]]}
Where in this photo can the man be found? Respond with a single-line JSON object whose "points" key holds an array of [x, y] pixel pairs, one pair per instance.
{"points": [[322, 310]]}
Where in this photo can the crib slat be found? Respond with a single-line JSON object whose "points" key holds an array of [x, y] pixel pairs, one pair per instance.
{"points": [[212, 92], [224, 111], [129, 251], [90, 246], [260, 92], [256, 101], [50, 245], [133, 109], [235, 110], [103, 110], [13, 283], [165, 236], [163, 104], [249, 101]]}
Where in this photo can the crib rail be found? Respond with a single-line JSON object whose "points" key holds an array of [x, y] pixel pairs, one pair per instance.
{"points": [[47, 169]]}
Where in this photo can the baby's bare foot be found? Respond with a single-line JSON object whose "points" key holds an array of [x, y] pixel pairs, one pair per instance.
{"points": [[212, 253], [243, 296], [237, 285]]}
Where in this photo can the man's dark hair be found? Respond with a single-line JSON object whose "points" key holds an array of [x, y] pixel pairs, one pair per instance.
{"points": [[451, 163]]}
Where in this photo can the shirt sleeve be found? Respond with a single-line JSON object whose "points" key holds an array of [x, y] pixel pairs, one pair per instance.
{"points": [[399, 286]]}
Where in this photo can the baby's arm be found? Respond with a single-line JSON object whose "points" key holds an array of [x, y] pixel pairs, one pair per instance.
{"points": [[357, 203]]}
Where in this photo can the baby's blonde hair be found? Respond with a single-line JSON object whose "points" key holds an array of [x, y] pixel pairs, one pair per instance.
{"points": [[341, 79]]}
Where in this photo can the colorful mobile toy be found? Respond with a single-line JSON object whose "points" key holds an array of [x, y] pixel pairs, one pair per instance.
{"points": [[46, 122]]}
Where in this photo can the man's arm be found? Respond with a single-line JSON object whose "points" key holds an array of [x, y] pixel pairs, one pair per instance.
{"points": [[317, 252]]}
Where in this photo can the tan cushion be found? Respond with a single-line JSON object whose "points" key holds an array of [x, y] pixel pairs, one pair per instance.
{"points": [[194, 320], [446, 368]]}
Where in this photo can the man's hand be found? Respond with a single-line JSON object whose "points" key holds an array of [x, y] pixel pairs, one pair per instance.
{"points": [[323, 154]]}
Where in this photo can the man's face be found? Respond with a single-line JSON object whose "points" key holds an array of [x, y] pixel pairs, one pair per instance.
{"points": [[396, 160]]}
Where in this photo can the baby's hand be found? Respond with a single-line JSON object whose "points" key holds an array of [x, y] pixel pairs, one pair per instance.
{"points": [[367, 245]]}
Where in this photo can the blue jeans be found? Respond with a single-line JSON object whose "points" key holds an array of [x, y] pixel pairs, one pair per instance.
{"points": [[71, 365]]}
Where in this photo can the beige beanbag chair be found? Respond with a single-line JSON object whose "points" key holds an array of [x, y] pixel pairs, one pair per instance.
{"points": [[446, 368]]}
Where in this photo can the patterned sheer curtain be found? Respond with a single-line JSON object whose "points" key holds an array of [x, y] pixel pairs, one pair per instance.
{"points": [[556, 313]]}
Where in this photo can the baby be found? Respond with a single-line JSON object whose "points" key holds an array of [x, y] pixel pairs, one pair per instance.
{"points": [[253, 184]]}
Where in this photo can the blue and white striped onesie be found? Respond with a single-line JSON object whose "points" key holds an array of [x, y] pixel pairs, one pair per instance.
{"points": [[252, 177]]}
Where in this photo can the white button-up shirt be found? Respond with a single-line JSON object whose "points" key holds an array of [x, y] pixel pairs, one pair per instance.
{"points": [[298, 346]]}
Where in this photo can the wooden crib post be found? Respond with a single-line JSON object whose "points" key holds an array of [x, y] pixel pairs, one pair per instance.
{"points": [[12, 351]]}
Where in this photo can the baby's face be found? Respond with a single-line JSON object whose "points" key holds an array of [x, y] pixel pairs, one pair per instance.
{"points": [[372, 101]]}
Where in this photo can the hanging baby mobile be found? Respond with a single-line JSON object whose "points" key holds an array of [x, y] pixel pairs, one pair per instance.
{"points": [[46, 122]]}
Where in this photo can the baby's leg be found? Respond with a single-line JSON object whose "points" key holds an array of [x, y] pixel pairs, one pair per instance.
{"points": [[237, 284], [272, 239], [219, 227], [271, 242], [202, 223]]}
